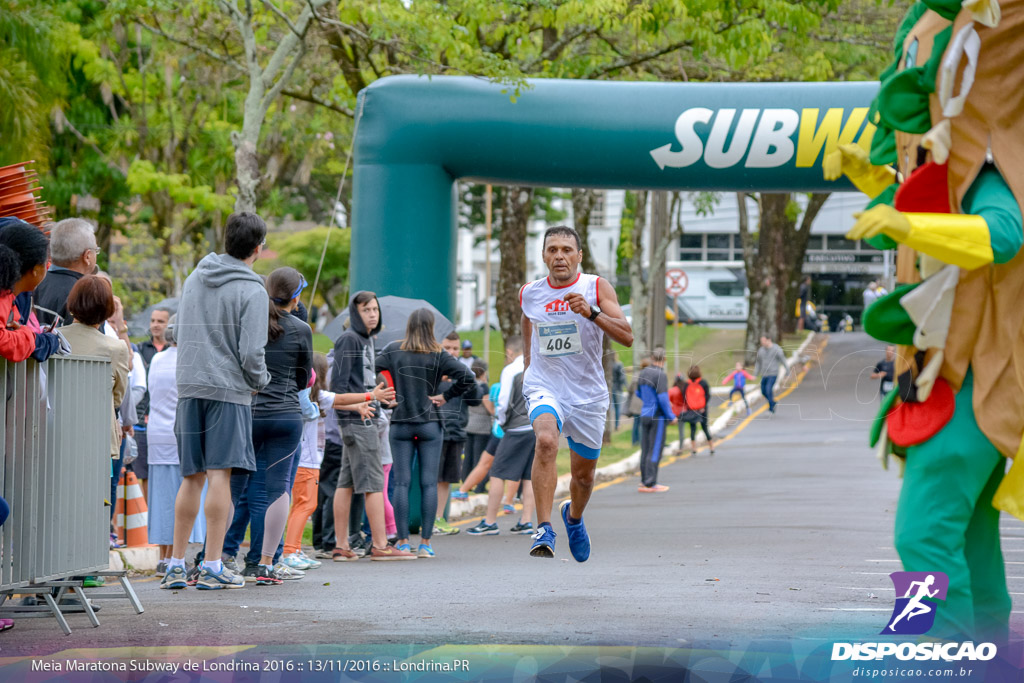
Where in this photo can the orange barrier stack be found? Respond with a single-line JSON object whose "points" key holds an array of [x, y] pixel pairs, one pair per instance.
{"points": [[19, 194], [131, 516]]}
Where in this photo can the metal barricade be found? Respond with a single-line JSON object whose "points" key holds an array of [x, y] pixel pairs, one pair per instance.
{"points": [[55, 476]]}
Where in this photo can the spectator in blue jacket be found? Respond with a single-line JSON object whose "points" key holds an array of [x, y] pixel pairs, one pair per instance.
{"points": [[652, 389]]}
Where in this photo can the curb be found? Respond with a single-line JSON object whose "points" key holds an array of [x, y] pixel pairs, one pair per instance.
{"points": [[140, 558], [466, 508]]}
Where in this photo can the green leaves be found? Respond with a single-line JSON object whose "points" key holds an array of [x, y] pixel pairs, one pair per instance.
{"points": [[144, 178]]}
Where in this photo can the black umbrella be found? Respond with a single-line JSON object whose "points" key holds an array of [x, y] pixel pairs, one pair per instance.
{"points": [[395, 312]]}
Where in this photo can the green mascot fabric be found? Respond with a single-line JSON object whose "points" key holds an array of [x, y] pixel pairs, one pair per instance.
{"points": [[946, 499], [886, 320]]}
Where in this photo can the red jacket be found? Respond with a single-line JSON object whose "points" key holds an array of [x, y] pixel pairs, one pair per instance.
{"points": [[675, 397], [15, 345]]}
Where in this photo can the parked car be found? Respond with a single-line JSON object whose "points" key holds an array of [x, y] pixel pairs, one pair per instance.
{"points": [[670, 317], [478, 318]]}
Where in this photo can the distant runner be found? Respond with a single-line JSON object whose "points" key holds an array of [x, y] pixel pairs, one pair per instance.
{"points": [[565, 318]]}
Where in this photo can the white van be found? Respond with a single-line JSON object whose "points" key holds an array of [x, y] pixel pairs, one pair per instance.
{"points": [[715, 291]]}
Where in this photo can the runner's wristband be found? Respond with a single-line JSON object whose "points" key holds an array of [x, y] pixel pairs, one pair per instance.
{"points": [[369, 397]]}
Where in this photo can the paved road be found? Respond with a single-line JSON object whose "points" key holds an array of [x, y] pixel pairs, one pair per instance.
{"points": [[785, 533]]}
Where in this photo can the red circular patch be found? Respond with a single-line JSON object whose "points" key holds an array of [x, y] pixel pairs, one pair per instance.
{"points": [[913, 423]]}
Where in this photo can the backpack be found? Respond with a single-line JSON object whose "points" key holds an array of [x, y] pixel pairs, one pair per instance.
{"points": [[694, 397]]}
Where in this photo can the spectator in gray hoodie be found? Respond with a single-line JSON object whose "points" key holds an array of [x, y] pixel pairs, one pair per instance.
{"points": [[769, 357], [221, 333]]}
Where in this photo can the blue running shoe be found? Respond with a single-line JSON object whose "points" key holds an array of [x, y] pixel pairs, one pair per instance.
{"points": [[175, 578], [543, 542], [225, 578], [579, 541]]}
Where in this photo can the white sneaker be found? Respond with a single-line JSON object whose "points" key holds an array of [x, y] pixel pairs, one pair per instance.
{"points": [[293, 561], [313, 564], [286, 573]]}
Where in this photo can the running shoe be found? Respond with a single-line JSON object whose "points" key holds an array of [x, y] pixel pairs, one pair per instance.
{"points": [[459, 495], [543, 542], [405, 548], [362, 546], [443, 528], [174, 579], [293, 561], [425, 551], [389, 553], [193, 574], [658, 488], [522, 528], [161, 568], [344, 555], [225, 578], [323, 554], [266, 576], [579, 541], [484, 529], [313, 564], [93, 582], [231, 563], [250, 572], [286, 573], [507, 509]]}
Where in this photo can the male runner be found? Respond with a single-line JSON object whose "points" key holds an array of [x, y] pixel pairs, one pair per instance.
{"points": [[565, 318]]}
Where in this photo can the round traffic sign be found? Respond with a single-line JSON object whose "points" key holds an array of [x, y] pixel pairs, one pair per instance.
{"points": [[675, 281]]}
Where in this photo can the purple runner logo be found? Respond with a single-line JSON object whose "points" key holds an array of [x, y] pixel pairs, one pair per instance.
{"points": [[914, 612]]}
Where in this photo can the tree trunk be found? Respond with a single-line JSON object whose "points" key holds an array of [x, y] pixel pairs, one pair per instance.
{"points": [[247, 166], [795, 251], [638, 284], [583, 203], [516, 207], [761, 318]]}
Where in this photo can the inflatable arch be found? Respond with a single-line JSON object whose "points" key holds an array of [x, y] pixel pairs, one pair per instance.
{"points": [[416, 136]]}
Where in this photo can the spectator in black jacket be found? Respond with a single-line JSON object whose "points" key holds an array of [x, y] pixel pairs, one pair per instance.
{"points": [[276, 427], [361, 468], [73, 251], [416, 368], [455, 418]]}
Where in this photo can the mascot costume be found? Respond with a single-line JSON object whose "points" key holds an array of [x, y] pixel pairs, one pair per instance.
{"points": [[946, 175]]}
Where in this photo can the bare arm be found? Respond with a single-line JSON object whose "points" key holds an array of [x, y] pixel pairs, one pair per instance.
{"points": [[381, 393], [612, 320], [527, 338]]}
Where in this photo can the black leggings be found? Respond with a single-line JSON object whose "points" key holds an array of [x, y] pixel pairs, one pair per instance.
{"points": [[428, 441], [693, 431]]}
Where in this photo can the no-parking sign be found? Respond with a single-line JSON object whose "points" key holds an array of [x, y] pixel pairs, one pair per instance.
{"points": [[675, 281]]}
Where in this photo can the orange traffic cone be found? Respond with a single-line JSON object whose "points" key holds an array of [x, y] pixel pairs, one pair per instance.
{"points": [[131, 516]]}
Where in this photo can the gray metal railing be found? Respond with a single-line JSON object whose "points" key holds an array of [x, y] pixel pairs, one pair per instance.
{"points": [[55, 476]]}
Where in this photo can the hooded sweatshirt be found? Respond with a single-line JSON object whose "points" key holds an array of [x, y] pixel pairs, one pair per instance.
{"points": [[222, 332], [352, 369]]}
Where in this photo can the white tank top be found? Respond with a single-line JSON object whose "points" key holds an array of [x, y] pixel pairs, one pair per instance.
{"points": [[565, 348]]}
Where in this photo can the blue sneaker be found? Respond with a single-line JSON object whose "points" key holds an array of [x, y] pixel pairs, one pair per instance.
{"points": [[459, 495], [425, 551], [174, 579], [404, 547], [579, 541], [544, 542], [225, 578]]}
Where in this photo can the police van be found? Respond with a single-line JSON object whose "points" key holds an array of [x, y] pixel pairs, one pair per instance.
{"points": [[712, 291]]}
